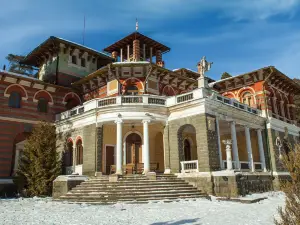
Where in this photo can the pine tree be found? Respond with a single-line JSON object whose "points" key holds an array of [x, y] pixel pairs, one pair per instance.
{"points": [[40, 163], [16, 67], [290, 214], [225, 75]]}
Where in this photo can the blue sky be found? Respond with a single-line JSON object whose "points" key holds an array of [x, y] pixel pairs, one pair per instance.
{"points": [[237, 35]]}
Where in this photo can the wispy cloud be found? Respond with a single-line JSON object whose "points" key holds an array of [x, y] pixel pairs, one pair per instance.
{"points": [[239, 35]]}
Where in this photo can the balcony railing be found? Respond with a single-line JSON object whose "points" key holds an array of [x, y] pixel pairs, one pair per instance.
{"points": [[244, 165], [189, 166], [132, 99], [161, 101], [236, 104]]}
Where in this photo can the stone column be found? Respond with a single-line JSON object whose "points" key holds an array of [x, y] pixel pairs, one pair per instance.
{"points": [[146, 146], [128, 53], [74, 157], [261, 150], [99, 149], [219, 143], [235, 146], [228, 144], [249, 149], [124, 153], [119, 147], [121, 54], [167, 149]]}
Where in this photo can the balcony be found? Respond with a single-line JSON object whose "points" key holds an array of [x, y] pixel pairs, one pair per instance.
{"points": [[153, 100]]}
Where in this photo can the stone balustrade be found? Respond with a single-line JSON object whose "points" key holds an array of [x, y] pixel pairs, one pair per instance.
{"points": [[160, 101]]}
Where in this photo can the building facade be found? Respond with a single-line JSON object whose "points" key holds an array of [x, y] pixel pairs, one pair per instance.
{"points": [[137, 116], [26, 100]]}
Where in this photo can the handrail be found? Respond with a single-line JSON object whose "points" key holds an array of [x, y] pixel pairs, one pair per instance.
{"points": [[189, 166]]}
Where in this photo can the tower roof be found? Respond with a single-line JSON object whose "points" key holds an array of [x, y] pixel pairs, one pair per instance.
{"points": [[51, 45], [143, 40]]}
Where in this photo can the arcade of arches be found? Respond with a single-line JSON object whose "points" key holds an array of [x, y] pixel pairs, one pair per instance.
{"points": [[246, 154], [133, 146]]}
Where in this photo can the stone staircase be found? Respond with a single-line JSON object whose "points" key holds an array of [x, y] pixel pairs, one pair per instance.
{"points": [[132, 189]]}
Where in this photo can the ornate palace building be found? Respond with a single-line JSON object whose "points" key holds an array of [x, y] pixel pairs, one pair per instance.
{"points": [[123, 112]]}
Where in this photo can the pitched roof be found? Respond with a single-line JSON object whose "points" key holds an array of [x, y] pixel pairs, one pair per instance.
{"points": [[143, 40], [52, 45]]}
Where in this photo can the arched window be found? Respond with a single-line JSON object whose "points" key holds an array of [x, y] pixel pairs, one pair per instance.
{"points": [[132, 90], [247, 99], [14, 100], [79, 153], [43, 105]]}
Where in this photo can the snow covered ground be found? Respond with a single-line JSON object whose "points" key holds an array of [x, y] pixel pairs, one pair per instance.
{"points": [[45, 211]]}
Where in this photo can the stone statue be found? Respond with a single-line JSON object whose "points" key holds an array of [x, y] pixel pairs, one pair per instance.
{"points": [[204, 66]]}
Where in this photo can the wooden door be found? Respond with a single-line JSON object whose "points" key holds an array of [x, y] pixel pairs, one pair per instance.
{"points": [[110, 155]]}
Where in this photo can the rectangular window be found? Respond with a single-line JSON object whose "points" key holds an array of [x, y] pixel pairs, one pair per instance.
{"points": [[83, 62], [74, 59]]}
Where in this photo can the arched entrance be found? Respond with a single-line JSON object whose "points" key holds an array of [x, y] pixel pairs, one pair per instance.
{"points": [[134, 153], [68, 159], [187, 150], [187, 143]]}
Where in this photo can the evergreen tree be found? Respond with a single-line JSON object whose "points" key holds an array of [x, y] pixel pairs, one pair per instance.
{"points": [[40, 163], [290, 214], [225, 75], [16, 67]]}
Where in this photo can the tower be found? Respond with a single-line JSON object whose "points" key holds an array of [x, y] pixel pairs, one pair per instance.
{"points": [[137, 47]]}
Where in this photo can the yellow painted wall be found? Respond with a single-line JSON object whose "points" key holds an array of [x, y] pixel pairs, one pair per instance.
{"points": [[243, 155], [155, 142]]}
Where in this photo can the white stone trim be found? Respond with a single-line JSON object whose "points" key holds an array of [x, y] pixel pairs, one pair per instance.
{"points": [[73, 94], [279, 125], [36, 100], [18, 85]]}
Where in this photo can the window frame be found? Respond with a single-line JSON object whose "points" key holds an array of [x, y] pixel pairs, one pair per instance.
{"points": [[74, 59], [39, 108], [13, 102]]}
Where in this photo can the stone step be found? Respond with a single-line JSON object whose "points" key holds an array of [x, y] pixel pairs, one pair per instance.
{"points": [[132, 201], [90, 182], [132, 188], [134, 197], [116, 189], [115, 185], [126, 193]]}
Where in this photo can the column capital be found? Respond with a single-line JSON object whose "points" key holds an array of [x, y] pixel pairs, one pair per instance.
{"points": [[146, 121], [118, 120], [227, 142]]}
